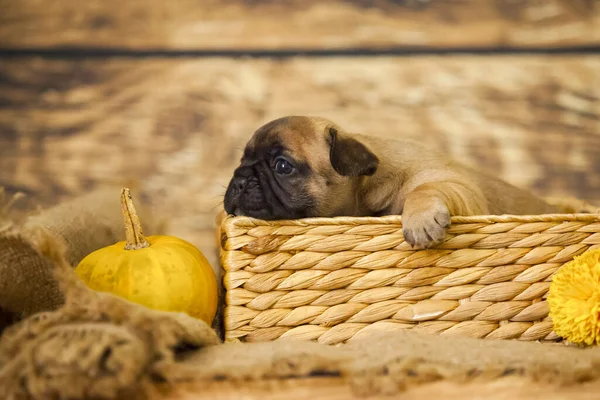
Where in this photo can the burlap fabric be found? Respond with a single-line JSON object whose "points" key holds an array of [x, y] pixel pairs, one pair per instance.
{"points": [[70, 342], [77, 227]]}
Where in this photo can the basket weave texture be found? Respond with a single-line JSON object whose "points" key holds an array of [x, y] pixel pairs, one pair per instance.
{"points": [[336, 279]]}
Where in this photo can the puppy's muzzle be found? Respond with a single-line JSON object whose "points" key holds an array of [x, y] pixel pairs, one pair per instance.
{"points": [[238, 185], [232, 195], [243, 193]]}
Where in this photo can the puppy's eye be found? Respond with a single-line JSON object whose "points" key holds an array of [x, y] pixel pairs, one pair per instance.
{"points": [[283, 167]]}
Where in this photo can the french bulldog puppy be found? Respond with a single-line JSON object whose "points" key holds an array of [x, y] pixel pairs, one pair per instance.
{"points": [[300, 166]]}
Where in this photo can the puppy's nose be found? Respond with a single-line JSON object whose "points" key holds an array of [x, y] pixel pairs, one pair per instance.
{"points": [[240, 184]]}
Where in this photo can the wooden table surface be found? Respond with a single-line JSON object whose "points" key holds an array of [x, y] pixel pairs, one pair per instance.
{"points": [[335, 389]]}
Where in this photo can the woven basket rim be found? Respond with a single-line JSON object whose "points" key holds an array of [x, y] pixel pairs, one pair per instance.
{"points": [[240, 221]]}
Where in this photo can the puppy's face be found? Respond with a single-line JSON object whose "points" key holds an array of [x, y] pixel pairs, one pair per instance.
{"points": [[297, 167]]}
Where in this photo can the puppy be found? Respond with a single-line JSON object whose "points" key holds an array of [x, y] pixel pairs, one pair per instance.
{"points": [[299, 166]]}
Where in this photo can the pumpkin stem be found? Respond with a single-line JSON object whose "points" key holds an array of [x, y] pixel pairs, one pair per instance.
{"points": [[133, 228]]}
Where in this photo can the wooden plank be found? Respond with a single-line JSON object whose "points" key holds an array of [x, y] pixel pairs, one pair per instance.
{"points": [[298, 24], [336, 389], [67, 126]]}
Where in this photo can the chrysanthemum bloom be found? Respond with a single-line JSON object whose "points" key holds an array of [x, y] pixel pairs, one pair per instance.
{"points": [[574, 299]]}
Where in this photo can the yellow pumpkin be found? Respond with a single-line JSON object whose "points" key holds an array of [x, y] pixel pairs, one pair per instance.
{"points": [[160, 272]]}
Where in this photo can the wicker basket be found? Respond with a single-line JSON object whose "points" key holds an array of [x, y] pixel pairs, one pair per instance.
{"points": [[335, 279]]}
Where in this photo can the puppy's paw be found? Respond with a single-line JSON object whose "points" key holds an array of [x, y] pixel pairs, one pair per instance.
{"points": [[425, 224]]}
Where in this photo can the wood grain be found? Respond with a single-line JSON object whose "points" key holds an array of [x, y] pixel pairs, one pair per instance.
{"points": [[336, 389], [298, 24], [69, 125]]}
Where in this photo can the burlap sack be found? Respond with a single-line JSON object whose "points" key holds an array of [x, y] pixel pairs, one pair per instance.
{"points": [[390, 362], [79, 227], [75, 343]]}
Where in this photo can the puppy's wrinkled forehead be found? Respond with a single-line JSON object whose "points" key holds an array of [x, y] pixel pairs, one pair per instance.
{"points": [[303, 138]]}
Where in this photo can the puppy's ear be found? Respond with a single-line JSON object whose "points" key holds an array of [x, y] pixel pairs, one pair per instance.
{"points": [[349, 157]]}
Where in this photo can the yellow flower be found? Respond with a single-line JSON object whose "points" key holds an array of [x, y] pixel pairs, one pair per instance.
{"points": [[574, 299]]}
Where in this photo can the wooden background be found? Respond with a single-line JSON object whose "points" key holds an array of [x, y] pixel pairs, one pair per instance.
{"points": [[168, 92]]}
